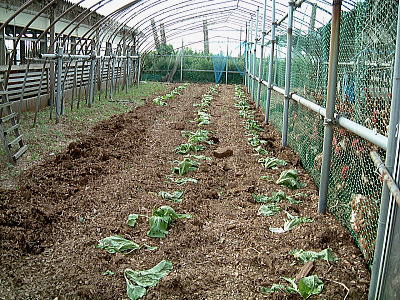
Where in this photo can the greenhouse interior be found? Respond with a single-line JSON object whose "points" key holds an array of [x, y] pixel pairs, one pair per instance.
{"points": [[234, 149]]}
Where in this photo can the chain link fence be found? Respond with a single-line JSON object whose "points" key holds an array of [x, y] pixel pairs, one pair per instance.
{"points": [[366, 61]]}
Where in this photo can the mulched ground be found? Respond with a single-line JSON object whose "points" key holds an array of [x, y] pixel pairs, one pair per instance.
{"points": [[50, 226]]}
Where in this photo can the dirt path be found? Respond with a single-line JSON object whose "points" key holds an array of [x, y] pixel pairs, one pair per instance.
{"points": [[50, 227]]}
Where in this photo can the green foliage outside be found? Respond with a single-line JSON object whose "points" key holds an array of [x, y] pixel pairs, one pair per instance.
{"points": [[157, 64]]}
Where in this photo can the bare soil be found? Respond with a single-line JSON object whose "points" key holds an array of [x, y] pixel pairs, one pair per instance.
{"points": [[50, 226]]}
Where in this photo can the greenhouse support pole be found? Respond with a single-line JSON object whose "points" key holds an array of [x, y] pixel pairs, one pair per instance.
{"points": [[139, 70], [60, 53], [329, 121], [288, 73], [92, 79], [261, 66], [382, 242], [271, 62], [253, 71], [182, 53], [127, 71], [245, 56], [250, 50], [227, 61], [112, 76]]}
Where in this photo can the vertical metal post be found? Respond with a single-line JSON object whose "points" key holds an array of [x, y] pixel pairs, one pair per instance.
{"points": [[182, 53], [245, 55], [288, 73], [3, 49], [330, 105], [387, 203], [250, 55], [271, 62], [261, 66], [112, 76], [92, 78], [127, 71], [60, 54], [255, 54], [139, 69], [52, 72], [227, 61]]}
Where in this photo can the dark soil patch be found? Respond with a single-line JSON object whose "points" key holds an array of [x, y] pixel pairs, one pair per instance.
{"points": [[65, 205]]}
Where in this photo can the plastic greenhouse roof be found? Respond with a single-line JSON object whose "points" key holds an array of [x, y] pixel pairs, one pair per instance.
{"points": [[183, 19]]}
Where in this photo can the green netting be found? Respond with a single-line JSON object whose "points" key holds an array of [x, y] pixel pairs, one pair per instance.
{"points": [[368, 34]]}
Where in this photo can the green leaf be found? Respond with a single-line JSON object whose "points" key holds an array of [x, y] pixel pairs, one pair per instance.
{"points": [[306, 256], [200, 157], [260, 150], [183, 180], [114, 244], [290, 178], [186, 148], [150, 277], [272, 162], [132, 220], [161, 219], [158, 226], [290, 223], [174, 197], [134, 292], [159, 101], [309, 286], [185, 166], [269, 210], [108, 273], [150, 248]]}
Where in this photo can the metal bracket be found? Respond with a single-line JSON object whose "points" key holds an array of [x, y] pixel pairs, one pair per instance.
{"points": [[330, 122]]}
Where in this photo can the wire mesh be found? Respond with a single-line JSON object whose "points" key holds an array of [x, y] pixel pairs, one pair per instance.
{"points": [[367, 45]]}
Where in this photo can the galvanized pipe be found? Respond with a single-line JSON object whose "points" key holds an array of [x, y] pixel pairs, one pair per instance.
{"points": [[253, 71], [139, 71], [271, 62], [60, 53], [250, 54], [330, 105], [92, 79], [381, 246], [386, 176], [112, 77], [261, 66], [353, 127], [288, 73]]}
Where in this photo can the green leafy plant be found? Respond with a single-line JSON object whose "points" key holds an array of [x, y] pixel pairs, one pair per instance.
{"points": [[132, 219], [117, 244], [108, 273], [161, 220], [174, 197], [306, 256], [272, 162], [203, 119], [185, 166], [290, 179], [159, 101], [138, 281], [186, 148], [306, 287], [290, 223], [269, 210], [260, 150], [183, 180], [199, 136]]}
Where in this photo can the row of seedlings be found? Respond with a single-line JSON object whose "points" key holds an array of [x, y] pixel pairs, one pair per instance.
{"points": [[196, 142], [138, 281], [305, 286], [162, 100]]}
